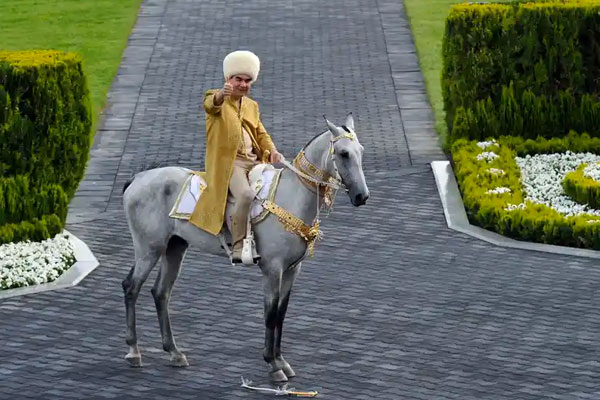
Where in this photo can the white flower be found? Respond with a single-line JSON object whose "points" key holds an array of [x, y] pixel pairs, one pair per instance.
{"points": [[487, 156], [542, 176], [485, 145], [498, 190], [511, 207], [593, 221], [592, 171], [32, 263], [496, 171]]}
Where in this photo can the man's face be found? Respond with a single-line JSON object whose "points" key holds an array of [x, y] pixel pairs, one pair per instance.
{"points": [[241, 85]]}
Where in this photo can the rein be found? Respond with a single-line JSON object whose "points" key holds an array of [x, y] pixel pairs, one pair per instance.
{"points": [[334, 184]]}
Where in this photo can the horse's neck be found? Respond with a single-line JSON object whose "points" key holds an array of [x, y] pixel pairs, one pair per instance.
{"points": [[297, 198], [317, 152], [293, 194]]}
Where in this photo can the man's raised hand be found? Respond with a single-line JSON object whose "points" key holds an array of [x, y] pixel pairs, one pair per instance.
{"points": [[227, 90], [221, 94]]}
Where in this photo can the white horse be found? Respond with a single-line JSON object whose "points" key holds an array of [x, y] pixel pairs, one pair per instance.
{"points": [[336, 158]]}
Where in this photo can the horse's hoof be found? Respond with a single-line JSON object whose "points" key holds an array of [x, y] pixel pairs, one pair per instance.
{"points": [[179, 361], [134, 360], [281, 363], [287, 370], [278, 376]]}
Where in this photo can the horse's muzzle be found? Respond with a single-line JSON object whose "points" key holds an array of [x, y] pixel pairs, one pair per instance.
{"points": [[360, 199]]}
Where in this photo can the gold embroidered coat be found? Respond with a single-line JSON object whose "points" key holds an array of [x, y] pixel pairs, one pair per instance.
{"points": [[223, 136]]}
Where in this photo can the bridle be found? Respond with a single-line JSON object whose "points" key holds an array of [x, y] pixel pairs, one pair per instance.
{"points": [[318, 180], [314, 177]]}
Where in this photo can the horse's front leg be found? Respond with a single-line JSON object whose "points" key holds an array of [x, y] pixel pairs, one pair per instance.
{"points": [[287, 282], [271, 287]]}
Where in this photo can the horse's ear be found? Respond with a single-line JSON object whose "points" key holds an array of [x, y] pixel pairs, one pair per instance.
{"points": [[332, 128], [350, 122]]}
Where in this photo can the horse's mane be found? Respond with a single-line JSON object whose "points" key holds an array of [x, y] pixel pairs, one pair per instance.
{"points": [[319, 135], [314, 138]]}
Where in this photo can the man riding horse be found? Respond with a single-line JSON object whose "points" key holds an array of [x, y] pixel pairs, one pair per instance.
{"points": [[236, 141]]}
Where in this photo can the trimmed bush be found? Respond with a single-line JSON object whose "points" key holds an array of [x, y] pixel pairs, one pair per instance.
{"points": [[523, 69], [499, 211], [582, 188], [45, 138]]}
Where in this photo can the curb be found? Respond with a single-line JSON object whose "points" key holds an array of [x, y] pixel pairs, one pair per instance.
{"points": [[86, 263], [456, 218]]}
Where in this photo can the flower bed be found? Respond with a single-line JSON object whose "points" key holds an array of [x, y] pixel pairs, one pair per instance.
{"points": [[34, 263], [513, 186]]}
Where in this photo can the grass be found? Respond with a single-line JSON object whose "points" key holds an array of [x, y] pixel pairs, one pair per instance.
{"points": [[427, 20], [96, 29]]}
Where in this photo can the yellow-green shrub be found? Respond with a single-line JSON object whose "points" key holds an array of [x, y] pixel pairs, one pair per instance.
{"points": [[581, 188]]}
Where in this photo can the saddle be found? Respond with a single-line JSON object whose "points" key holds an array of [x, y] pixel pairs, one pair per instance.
{"points": [[263, 179]]}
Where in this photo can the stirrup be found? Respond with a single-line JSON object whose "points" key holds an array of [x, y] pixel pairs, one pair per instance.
{"points": [[249, 254]]}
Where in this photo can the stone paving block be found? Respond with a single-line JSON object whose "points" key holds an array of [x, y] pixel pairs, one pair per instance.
{"points": [[410, 80]]}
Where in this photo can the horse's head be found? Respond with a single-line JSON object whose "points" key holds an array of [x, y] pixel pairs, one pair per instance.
{"points": [[346, 155]]}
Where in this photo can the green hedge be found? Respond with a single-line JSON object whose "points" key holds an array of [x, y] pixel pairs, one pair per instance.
{"points": [[507, 213], [581, 188], [527, 69], [45, 122]]}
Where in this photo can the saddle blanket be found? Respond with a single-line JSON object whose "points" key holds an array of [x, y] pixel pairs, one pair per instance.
{"points": [[264, 181]]}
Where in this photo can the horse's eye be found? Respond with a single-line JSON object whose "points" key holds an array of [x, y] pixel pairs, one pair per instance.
{"points": [[344, 154]]}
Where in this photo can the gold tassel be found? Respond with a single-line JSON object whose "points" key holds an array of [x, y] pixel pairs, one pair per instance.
{"points": [[315, 234]]}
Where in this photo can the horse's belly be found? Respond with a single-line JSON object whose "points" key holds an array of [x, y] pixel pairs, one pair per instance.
{"points": [[196, 237]]}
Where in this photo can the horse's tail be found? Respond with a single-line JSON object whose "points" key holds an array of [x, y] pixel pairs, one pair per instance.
{"points": [[153, 164], [126, 185]]}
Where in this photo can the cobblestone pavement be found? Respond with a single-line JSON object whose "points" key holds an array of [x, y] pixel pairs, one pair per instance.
{"points": [[393, 306]]}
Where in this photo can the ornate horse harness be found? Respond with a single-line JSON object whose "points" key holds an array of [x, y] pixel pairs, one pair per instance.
{"points": [[317, 181]]}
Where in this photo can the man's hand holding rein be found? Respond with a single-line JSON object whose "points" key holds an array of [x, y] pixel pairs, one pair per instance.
{"points": [[276, 157]]}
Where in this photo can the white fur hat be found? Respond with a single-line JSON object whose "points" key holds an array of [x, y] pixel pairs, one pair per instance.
{"points": [[241, 62]]}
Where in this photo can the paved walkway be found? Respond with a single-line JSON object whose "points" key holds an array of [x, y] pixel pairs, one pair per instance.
{"points": [[393, 306]]}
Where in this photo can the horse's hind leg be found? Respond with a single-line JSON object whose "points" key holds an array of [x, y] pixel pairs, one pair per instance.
{"points": [[288, 279], [144, 262], [170, 267]]}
